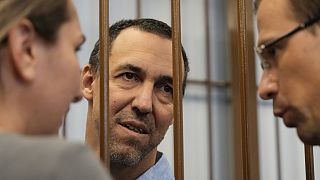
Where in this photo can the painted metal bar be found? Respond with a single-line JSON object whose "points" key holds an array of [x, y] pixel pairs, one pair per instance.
{"points": [[277, 121], [243, 89], [138, 9], [104, 87], [209, 89], [309, 161], [245, 133], [177, 92], [240, 26], [64, 127]]}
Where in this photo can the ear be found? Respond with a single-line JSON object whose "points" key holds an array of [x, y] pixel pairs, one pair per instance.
{"points": [[87, 79], [21, 39]]}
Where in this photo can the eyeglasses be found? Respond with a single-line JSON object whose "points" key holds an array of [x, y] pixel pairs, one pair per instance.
{"points": [[265, 50]]}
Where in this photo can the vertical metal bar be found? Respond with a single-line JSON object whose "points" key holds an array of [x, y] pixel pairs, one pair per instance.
{"points": [[278, 148], [64, 127], [104, 71], [177, 93], [243, 89], [209, 88], [138, 9], [309, 163]]}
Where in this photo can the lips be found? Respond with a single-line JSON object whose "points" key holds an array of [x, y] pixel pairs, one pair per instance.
{"points": [[289, 118], [279, 113], [135, 126]]}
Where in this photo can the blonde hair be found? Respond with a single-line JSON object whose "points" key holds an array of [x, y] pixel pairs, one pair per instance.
{"points": [[45, 15]]}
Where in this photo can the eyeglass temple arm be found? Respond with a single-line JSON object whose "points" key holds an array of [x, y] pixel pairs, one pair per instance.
{"points": [[299, 28]]}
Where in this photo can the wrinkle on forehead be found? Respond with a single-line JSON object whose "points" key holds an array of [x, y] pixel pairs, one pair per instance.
{"points": [[143, 49], [140, 41], [142, 57]]}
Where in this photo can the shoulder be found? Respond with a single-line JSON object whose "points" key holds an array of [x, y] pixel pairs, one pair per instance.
{"points": [[49, 157], [46, 147]]}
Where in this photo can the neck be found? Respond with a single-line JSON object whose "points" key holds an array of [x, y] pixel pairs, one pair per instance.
{"points": [[10, 118], [92, 137], [16, 100], [120, 172]]}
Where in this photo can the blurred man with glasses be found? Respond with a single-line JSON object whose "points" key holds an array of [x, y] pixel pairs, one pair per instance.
{"points": [[289, 49]]}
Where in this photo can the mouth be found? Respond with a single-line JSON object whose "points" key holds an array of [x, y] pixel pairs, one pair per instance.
{"points": [[288, 118], [136, 127], [279, 114]]}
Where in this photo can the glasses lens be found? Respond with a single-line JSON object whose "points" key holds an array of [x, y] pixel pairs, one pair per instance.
{"points": [[266, 54]]}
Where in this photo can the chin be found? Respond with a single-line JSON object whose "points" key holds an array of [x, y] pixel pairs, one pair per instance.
{"points": [[125, 159], [309, 137]]}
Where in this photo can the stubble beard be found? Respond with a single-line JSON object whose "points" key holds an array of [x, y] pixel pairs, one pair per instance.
{"points": [[129, 152], [308, 131], [129, 156]]}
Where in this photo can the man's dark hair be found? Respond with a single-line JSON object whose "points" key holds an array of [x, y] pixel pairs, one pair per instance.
{"points": [[146, 25], [302, 9]]}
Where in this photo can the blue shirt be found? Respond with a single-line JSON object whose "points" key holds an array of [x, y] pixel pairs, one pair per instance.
{"points": [[160, 171]]}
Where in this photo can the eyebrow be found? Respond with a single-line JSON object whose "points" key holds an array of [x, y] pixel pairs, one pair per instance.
{"points": [[138, 70], [130, 67], [165, 79], [83, 39]]}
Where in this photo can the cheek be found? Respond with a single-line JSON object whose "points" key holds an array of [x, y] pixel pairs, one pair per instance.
{"points": [[118, 101], [74, 68], [96, 107], [69, 68], [164, 115], [290, 72]]}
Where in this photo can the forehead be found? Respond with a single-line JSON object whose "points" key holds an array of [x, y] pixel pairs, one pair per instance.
{"points": [[71, 30], [72, 11], [132, 39], [134, 46], [274, 18]]}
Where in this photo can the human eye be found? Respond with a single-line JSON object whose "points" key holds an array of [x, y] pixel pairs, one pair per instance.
{"points": [[269, 57], [78, 48], [126, 79], [167, 89], [79, 44], [165, 92], [271, 52], [129, 76]]}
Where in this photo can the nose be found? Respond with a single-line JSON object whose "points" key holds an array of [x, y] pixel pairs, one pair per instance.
{"points": [[143, 99], [268, 87], [78, 95]]}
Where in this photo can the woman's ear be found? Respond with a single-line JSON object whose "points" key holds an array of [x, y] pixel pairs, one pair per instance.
{"points": [[87, 79], [21, 39]]}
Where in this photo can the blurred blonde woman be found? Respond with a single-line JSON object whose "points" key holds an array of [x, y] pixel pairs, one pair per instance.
{"points": [[39, 77]]}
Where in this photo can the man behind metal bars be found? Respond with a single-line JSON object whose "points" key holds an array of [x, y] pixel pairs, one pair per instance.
{"points": [[141, 98], [291, 62]]}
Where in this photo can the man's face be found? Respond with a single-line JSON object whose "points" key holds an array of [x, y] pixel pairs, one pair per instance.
{"points": [[58, 82], [141, 99], [292, 80]]}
